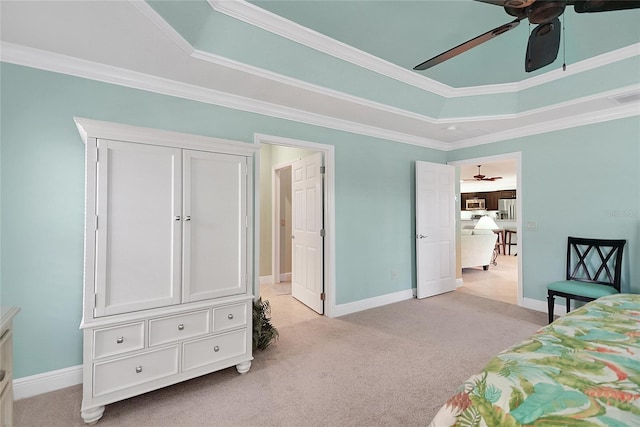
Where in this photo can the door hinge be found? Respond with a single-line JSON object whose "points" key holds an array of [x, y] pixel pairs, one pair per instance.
{"points": [[323, 169], [322, 232], [95, 300], [322, 296], [96, 222]]}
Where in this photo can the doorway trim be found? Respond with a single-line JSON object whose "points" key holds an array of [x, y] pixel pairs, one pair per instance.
{"points": [[329, 212], [275, 218], [517, 156]]}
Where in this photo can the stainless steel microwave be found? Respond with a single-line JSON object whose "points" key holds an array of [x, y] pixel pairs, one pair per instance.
{"points": [[475, 204]]}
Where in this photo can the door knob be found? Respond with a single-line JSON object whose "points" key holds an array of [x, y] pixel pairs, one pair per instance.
{"points": [[422, 236]]}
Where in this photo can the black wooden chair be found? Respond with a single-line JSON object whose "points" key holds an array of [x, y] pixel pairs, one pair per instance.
{"points": [[594, 268]]}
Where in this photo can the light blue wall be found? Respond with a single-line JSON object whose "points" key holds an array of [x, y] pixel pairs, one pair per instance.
{"points": [[582, 182], [42, 195]]}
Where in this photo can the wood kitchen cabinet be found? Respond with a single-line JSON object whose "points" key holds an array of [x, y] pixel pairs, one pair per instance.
{"points": [[167, 260], [491, 198]]}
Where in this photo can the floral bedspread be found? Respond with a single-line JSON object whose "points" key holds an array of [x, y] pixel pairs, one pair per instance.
{"points": [[582, 370]]}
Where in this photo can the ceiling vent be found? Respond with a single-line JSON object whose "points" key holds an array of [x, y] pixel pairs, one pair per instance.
{"points": [[626, 98]]}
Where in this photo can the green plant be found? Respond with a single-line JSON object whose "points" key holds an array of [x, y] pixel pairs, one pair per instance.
{"points": [[263, 331]]}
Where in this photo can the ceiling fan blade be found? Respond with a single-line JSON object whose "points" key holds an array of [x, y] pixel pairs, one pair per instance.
{"points": [[589, 6], [543, 46], [461, 48], [496, 2]]}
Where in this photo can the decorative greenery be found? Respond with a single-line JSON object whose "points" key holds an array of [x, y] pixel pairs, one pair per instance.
{"points": [[263, 331]]}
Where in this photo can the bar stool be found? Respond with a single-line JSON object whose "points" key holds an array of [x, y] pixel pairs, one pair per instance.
{"points": [[508, 239], [500, 243]]}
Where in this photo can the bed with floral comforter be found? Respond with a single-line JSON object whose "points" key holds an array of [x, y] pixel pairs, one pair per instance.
{"points": [[581, 370]]}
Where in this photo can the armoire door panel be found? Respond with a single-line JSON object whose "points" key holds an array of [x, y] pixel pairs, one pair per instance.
{"points": [[138, 234], [214, 252]]}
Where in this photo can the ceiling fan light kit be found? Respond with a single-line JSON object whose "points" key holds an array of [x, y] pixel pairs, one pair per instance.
{"points": [[544, 40]]}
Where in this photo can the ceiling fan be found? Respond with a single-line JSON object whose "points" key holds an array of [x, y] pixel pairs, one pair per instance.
{"points": [[481, 177], [544, 41]]}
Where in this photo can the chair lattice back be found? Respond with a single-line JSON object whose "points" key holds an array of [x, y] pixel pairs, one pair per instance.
{"points": [[595, 261]]}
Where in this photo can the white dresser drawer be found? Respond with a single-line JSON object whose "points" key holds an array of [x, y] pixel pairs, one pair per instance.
{"points": [[229, 317], [133, 370], [174, 328], [118, 339], [214, 349]]}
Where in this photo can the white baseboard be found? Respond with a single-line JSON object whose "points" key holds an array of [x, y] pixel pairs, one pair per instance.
{"points": [[353, 307], [285, 277], [534, 304], [46, 382], [266, 280], [459, 282]]}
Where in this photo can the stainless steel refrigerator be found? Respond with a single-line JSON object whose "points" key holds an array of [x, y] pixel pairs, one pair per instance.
{"points": [[507, 208]]}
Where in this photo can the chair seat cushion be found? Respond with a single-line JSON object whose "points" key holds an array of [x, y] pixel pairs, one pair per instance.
{"points": [[589, 290]]}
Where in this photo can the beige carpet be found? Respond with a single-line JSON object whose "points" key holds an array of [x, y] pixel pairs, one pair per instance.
{"points": [[394, 365]]}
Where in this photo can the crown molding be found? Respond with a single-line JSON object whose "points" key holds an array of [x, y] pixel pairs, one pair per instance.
{"points": [[553, 125], [35, 58], [155, 18], [273, 23], [49, 61], [261, 18]]}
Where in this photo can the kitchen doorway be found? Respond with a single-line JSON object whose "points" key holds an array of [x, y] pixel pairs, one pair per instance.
{"points": [[487, 180]]}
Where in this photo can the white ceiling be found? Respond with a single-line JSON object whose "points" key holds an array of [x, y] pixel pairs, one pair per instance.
{"points": [[128, 43]]}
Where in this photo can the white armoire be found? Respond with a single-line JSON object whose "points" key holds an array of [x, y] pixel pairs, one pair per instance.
{"points": [[168, 260]]}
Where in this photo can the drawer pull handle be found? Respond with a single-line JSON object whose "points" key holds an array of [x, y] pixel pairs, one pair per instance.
{"points": [[119, 340], [181, 327], [216, 349], [138, 369], [230, 316]]}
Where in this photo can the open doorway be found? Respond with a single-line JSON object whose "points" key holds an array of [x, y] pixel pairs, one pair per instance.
{"points": [[295, 260], [490, 186]]}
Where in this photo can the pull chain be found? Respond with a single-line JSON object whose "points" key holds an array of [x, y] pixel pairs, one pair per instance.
{"points": [[564, 41]]}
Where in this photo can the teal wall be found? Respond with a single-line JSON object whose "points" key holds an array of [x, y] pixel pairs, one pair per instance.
{"points": [[42, 193], [581, 182]]}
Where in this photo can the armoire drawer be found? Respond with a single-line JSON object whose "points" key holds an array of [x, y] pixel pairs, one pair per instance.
{"points": [[213, 349], [134, 370], [229, 317], [118, 339], [173, 328]]}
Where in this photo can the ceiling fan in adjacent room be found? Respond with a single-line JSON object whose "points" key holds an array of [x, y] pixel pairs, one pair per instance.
{"points": [[544, 40], [481, 177]]}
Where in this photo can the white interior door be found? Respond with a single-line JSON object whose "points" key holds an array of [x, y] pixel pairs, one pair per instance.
{"points": [[435, 229], [307, 242]]}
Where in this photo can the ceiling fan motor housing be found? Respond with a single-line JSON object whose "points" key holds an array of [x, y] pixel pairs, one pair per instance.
{"points": [[545, 11], [537, 12]]}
